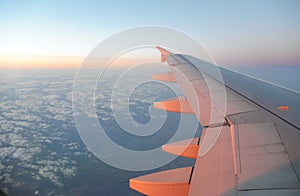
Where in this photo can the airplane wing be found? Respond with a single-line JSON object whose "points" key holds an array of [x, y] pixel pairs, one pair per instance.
{"points": [[250, 144]]}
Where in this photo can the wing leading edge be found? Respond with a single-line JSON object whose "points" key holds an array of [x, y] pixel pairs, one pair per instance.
{"points": [[249, 146]]}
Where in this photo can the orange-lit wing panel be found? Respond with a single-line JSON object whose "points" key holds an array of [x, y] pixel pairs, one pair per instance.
{"points": [[180, 105], [186, 148], [165, 77], [214, 172], [173, 182]]}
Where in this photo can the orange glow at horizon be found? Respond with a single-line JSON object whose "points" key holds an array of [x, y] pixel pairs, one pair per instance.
{"points": [[30, 62], [57, 62]]}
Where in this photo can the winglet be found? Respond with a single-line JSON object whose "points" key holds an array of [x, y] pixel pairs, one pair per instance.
{"points": [[164, 53]]}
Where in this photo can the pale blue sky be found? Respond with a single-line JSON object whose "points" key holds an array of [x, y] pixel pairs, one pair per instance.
{"points": [[258, 32]]}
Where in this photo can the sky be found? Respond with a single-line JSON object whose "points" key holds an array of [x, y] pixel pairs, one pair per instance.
{"points": [[59, 33]]}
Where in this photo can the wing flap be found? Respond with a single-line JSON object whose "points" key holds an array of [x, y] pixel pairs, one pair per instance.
{"points": [[213, 174], [185, 148], [263, 159], [179, 104], [173, 182], [165, 77]]}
